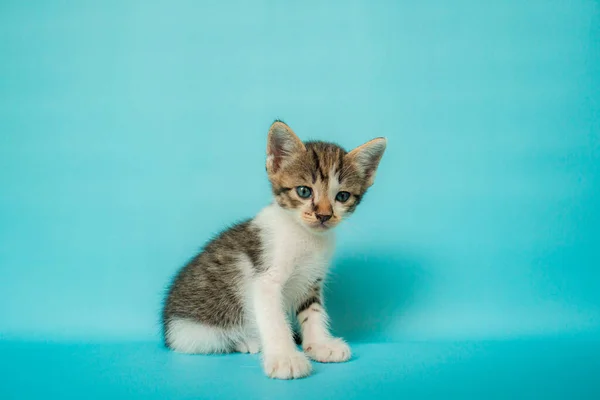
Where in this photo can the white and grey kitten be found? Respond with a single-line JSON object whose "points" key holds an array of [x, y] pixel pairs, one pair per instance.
{"points": [[237, 294]]}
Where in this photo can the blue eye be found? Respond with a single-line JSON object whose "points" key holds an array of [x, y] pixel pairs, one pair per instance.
{"points": [[342, 197], [304, 192]]}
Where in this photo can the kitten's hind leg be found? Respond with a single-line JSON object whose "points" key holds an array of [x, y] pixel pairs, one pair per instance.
{"points": [[248, 345], [191, 337]]}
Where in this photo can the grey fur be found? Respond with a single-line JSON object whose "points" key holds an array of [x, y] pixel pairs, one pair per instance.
{"points": [[312, 297], [204, 290]]}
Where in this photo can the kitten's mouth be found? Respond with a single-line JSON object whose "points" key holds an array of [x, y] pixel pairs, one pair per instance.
{"points": [[321, 226]]}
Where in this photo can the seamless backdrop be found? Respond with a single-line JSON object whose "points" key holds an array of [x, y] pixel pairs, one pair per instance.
{"points": [[132, 131]]}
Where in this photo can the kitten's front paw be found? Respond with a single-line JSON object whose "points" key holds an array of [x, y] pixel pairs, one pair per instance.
{"points": [[330, 350], [287, 365]]}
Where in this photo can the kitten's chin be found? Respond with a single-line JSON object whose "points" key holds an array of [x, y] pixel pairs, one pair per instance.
{"points": [[319, 227]]}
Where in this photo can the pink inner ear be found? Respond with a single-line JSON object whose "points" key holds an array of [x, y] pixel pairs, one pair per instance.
{"points": [[282, 143], [277, 152], [276, 163]]}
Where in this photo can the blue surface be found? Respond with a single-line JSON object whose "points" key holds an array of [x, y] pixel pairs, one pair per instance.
{"points": [[532, 369], [132, 131]]}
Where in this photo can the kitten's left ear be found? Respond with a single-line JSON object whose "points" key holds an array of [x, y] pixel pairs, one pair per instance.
{"points": [[281, 144], [367, 157]]}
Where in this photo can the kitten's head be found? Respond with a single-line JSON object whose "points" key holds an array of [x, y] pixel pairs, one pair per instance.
{"points": [[319, 183]]}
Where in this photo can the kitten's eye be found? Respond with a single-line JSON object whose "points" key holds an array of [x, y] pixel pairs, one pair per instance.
{"points": [[304, 191], [342, 197]]}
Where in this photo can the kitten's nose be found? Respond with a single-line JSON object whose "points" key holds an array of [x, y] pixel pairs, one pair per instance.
{"points": [[323, 217]]}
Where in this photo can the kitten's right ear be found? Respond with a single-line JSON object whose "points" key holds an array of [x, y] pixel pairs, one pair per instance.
{"points": [[281, 144]]}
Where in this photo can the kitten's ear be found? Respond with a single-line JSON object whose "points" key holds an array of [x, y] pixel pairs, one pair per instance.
{"points": [[281, 144], [367, 157]]}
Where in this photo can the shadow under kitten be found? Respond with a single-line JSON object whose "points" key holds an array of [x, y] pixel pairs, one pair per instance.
{"points": [[367, 294]]}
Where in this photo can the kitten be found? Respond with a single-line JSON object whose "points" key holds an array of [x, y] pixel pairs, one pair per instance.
{"points": [[236, 294]]}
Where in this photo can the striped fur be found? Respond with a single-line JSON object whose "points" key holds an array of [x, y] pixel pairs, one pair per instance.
{"points": [[326, 168]]}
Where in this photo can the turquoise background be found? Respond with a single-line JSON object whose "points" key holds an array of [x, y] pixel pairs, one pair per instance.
{"points": [[132, 131]]}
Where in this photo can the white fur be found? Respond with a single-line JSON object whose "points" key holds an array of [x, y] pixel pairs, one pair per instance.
{"points": [[191, 337], [187, 336], [248, 345], [317, 342], [295, 257]]}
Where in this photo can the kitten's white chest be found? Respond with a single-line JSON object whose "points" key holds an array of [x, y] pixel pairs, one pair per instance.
{"points": [[300, 252], [308, 261], [298, 257]]}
